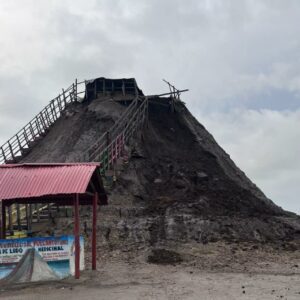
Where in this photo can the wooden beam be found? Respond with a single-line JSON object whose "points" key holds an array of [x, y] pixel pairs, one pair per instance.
{"points": [[166, 94]]}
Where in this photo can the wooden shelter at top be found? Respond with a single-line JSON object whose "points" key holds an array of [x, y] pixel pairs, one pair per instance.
{"points": [[119, 89]]}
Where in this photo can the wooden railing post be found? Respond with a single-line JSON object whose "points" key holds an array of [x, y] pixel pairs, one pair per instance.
{"points": [[26, 137], [19, 144], [32, 131], [47, 116], [59, 103], [38, 126], [64, 97], [53, 110], [11, 150], [44, 125], [3, 154], [75, 91]]}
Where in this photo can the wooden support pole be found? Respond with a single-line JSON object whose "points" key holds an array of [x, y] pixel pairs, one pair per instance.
{"points": [[49, 210], [30, 218], [19, 217], [27, 217], [38, 213], [10, 221], [72, 93], [76, 236], [123, 88], [3, 225], [94, 232], [85, 92]]}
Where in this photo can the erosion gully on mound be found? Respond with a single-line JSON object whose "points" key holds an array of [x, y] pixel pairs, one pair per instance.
{"points": [[178, 186]]}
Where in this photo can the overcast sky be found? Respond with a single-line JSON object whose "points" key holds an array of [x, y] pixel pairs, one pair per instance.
{"points": [[240, 59]]}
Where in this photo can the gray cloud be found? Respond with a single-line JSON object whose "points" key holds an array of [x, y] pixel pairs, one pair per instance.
{"points": [[232, 55]]}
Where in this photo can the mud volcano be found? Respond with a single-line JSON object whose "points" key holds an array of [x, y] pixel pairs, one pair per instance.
{"points": [[178, 185]]}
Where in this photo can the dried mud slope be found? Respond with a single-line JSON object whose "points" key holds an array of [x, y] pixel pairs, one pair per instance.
{"points": [[77, 130], [178, 186]]}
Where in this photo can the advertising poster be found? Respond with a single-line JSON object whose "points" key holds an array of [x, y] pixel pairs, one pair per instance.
{"points": [[34, 259]]}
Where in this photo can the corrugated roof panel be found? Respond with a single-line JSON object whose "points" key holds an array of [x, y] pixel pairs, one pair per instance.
{"points": [[35, 180]]}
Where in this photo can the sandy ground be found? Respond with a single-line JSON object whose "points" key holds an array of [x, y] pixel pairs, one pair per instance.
{"points": [[123, 281], [209, 274]]}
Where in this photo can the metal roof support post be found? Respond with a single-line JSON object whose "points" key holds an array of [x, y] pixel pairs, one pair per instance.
{"points": [[76, 236], [3, 219], [94, 235]]}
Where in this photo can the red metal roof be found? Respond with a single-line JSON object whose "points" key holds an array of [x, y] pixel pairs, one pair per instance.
{"points": [[36, 180]]}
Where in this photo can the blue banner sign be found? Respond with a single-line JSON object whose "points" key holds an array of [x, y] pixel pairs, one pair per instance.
{"points": [[35, 259]]}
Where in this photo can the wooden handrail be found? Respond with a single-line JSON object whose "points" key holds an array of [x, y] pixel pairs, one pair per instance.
{"points": [[38, 126], [127, 125]]}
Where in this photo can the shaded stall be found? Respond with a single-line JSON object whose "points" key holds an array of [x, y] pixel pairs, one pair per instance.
{"points": [[68, 184]]}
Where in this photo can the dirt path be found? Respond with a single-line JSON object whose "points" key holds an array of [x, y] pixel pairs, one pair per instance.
{"points": [[119, 280]]}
